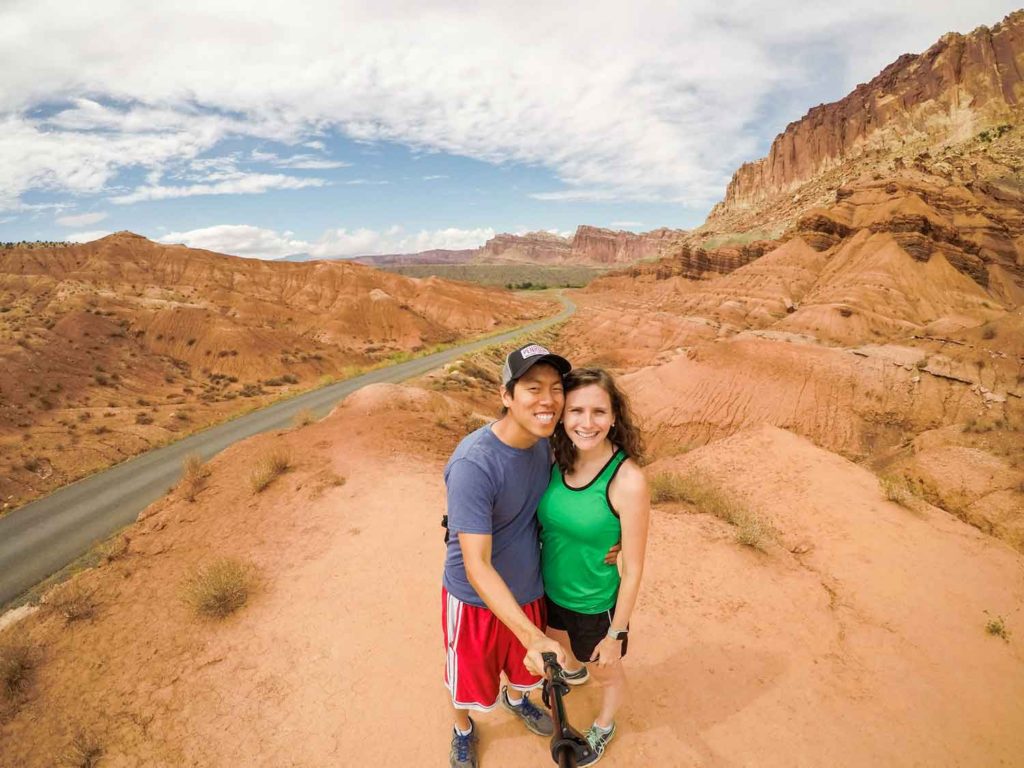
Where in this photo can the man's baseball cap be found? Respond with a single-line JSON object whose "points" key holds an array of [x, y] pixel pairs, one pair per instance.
{"points": [[519, 361]]}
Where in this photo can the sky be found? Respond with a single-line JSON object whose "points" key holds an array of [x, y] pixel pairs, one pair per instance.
{"points": [[340, 128]]}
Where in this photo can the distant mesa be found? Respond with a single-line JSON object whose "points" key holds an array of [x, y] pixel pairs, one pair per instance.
{"points": [[588, 247]]}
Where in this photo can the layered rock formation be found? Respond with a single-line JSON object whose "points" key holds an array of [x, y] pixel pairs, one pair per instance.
{"points": [[112, 346], [589, 246], [964, 86]]}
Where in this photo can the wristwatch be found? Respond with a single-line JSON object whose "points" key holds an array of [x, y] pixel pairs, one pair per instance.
{"points": [[618, 634]]}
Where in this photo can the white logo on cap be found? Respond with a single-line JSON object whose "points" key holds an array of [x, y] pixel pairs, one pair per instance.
{"points": [[533, 350]]}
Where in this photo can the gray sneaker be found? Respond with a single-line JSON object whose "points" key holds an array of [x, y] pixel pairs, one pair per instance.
{"points": [[534, 718], [463, 754], [579, 677], [598, 741]]}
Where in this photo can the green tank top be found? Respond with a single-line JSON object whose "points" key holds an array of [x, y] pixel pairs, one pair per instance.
{"points": [[578, 526]]}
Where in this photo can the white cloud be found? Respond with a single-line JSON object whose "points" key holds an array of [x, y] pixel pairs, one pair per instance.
{"points": [[86, 237], [81, 219], [305, 162], [342, 243], [226, 184], [260, 243], [627, 223], [239, 240], [435, 176], [668, 115]]}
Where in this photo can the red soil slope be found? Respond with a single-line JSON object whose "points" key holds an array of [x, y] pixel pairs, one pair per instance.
{"points": [[112, 347], [835, 646]]}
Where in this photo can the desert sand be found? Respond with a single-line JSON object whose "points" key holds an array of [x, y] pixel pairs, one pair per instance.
{"points": [[856, 638]]}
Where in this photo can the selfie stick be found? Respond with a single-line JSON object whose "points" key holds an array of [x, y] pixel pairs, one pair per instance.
{"points": [[568, 746]]}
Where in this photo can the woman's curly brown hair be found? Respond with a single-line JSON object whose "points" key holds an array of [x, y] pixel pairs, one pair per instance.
{"points": [[624, 433]]}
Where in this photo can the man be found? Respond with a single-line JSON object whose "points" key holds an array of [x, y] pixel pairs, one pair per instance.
{"points": [[492, 598]]}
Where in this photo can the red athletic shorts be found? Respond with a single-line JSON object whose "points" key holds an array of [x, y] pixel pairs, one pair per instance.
{"points": [[479, 648]]}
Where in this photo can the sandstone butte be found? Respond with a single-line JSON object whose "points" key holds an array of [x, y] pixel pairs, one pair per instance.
{"points": [[112, 347], [784, 368], [589, 246]]}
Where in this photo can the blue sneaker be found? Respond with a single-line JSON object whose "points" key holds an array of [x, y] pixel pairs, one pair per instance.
{"points": [[463, 754], [535, 719], [598, 739]]}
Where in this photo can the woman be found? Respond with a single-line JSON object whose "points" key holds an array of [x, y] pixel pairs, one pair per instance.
{"points": [[597, 496]]}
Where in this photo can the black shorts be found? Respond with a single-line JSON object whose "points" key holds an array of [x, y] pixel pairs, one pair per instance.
{"points": [[585, 630]]}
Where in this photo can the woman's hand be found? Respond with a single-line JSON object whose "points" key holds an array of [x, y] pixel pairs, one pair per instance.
{"points": [[608, 652]]}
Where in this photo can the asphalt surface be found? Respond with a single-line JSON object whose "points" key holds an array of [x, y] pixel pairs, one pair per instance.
{"points": [[42, 537]]}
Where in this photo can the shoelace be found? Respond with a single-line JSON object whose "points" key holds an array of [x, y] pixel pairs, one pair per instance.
{"points": [[462, 745], [530, 710]]}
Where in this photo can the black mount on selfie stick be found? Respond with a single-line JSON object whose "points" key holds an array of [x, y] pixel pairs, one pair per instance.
{"points": [[568, 746]]}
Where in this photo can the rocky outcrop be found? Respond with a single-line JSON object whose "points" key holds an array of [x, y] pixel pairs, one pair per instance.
{"points": [[590, 247], [955, 90], [533, 247]]}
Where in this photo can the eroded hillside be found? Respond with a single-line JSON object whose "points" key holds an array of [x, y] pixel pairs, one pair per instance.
{"points": [[115, 346]]}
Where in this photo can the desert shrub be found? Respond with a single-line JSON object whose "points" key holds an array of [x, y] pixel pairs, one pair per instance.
{"points": [[896, 489], [303, 417], [16, 662], [84, 751], [143, 418], [476, 371], [989, 333], [193, 476], [751, 529], [997, 628], [112, 549], [671, 487], [269, 467], [33, 464], [72, 602], [219, 588]]}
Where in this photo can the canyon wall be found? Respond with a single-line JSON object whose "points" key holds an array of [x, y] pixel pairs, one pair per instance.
{"points": [[960, 86]]}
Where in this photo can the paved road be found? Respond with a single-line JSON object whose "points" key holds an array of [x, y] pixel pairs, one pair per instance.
{"points": [[42, 537]]}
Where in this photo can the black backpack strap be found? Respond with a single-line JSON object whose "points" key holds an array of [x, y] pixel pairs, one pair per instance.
{"points": [[444, 524]]}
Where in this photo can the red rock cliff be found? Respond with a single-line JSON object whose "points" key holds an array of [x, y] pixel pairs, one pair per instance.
{"points": [[957, 87]]}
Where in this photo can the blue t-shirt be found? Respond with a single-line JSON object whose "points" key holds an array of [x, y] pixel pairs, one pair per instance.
{"points": [[495, 488]]}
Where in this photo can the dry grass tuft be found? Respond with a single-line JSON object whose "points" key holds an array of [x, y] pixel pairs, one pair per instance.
{"points": [[269, 467], [693, 488], [303, 417], [84, 751], [113, 548], [671, 487], [219, 588], [16, 663], [193, 476], [896, 489], [73, 602]]}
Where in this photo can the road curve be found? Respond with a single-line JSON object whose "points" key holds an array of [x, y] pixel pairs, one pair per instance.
{"points": [[40, 538]]}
